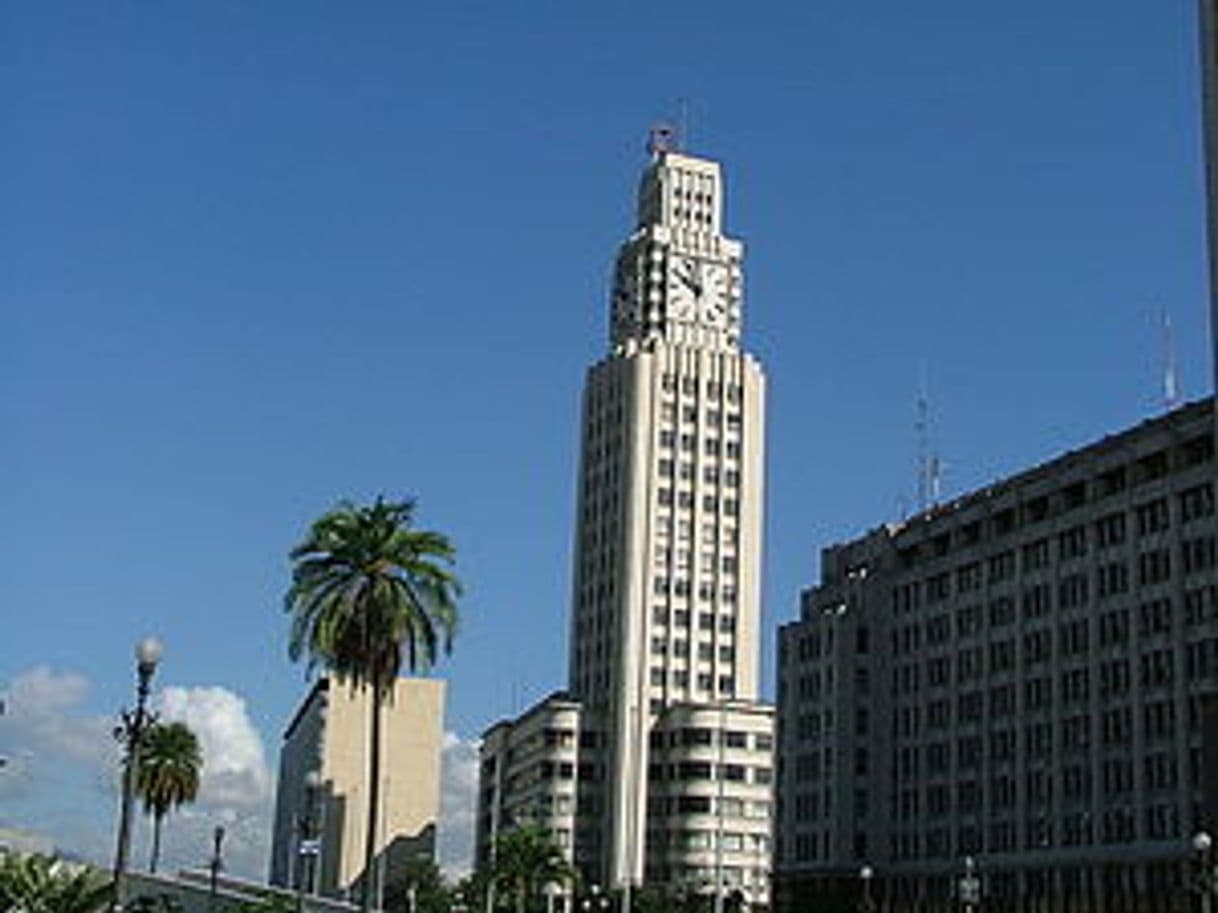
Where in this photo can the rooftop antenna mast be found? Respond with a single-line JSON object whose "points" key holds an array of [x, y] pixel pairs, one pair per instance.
{"points": [[1171, 391], [930, 467], [684, 131], [922, 431]]}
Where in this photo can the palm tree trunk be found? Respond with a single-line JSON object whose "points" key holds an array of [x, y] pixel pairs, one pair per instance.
{"points": [[156, 842], [374, 796]]}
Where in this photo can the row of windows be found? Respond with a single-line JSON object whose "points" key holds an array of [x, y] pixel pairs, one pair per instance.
{"points": [[680, 618], [1036, 648], [685, 501], [711, 446], [692, 839], [714, 418], [1154, 616], [695, 805], [1159, 821], [711, 475], [700, 736], [684, 530], [730, 806], [1196, 554], [1110, 726], [1008, 520], [664, 556], [687, 771], [660, 646], [689, 386], [680, 678], [680, 586]]}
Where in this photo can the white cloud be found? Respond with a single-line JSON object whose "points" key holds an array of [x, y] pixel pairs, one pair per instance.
{"points": [[40, 720], [235, 787], [64, 763], [234, 764], [458, 805], [64, 769]]}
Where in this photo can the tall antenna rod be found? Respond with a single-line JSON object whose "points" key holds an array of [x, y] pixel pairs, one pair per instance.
{"points": [[930, 466], [1171, 392], [922, 431], [684, 130]]}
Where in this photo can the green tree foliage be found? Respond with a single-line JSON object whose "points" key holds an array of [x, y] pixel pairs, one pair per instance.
{"points": [[159, 903], [44, 884], [369, 595], [419, 889], [526, 860], [470, 892], [268, 905], [168, 775], [652, 899]]}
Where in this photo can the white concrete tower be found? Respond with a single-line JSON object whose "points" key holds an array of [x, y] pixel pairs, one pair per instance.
{"points": [[666, 596]]}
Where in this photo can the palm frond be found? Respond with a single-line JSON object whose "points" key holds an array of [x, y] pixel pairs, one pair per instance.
{"points": [[371, 594]]}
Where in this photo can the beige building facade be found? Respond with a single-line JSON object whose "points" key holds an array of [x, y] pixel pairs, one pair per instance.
{"points": [[321, 804], [667, 576]]}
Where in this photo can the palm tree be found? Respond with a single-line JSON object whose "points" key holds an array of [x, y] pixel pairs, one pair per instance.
{"points": [[370, 593], [526, 860], [168, 775], [44, 884]]}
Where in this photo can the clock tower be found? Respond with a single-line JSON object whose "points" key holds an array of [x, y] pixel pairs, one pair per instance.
{"points": [[675, 750], [654, 766], [678, 278]]}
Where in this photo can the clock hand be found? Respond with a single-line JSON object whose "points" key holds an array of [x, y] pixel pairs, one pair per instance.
{"points": [[694, 285]]}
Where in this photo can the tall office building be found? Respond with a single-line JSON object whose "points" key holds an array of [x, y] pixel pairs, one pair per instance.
{"points": [[671, 782], [321, 803], [1024, 677]]}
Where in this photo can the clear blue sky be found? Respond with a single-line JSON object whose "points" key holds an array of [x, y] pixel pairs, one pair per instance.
{"points": [[255, 258]]}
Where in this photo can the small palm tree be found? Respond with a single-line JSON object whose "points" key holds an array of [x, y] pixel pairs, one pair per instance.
{"points": [[168, 775], [369, 594], [44, 884], [526, 860]]}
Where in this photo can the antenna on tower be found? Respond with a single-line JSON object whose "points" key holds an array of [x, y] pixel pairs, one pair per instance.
{"points": [[922, 431], [930, 466], [684, 130], [1171, 393]]}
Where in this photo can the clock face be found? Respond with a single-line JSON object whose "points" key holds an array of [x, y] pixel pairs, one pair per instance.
{"points": [[698, 291], [712, 303], [684, 288]]}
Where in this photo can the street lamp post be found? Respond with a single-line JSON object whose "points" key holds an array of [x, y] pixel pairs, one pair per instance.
{"points": [[309, 842], [595, 901], [217, 863], [131, 733], [1203, 844], [866, 873], [970, 885]]}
